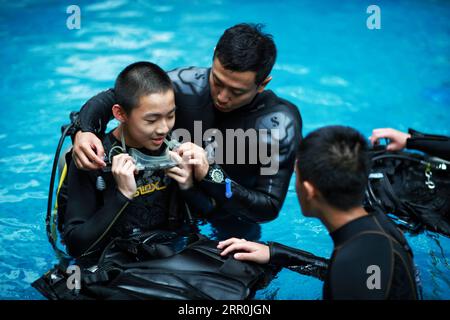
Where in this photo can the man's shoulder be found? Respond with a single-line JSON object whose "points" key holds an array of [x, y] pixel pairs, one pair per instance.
{"points": [[363, 241], [190, 80], [355, 264], [276, 112], [282, 118], [362, 251]]}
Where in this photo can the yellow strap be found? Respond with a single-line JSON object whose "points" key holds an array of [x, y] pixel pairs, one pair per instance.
{"points": [[61, 181]]}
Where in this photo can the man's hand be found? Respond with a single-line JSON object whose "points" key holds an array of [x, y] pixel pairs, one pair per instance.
{"points": [[123, 170], [398, 138], [183, 173], [196, 157], [88, 151], [249, 251]]}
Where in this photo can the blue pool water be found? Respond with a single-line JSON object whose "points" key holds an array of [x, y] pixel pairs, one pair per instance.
{"points": [[329, 64]]}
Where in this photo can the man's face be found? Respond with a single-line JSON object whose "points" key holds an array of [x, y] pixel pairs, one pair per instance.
{"points": [[149, 123], [231, 90]]}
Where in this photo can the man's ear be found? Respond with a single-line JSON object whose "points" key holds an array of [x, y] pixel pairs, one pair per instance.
{"points": [[263, 84], [119, 113], [310, 190]]}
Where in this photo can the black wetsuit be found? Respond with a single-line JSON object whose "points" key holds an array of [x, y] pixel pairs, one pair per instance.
{"points": [[256, 197], [435, 145], [93, 217], [360, 245]]}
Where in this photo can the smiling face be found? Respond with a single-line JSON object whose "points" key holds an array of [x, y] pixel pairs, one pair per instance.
{"points": [[231, 90], [150, 121]]}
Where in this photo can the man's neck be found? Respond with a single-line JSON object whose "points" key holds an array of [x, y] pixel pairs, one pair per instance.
{"points": [[334, 219]]}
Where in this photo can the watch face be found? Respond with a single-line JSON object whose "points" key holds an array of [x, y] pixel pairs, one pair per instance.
{"points": [[217, 175]]}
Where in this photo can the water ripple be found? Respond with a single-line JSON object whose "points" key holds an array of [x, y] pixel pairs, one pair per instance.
{"points": [[295, 69], [27, 163], [11, 198], [334, 81], [313, 96], [123, 41], [101, 68], [106, 5]]}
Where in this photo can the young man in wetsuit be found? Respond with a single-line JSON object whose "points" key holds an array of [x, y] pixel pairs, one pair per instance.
{"points": [[371, 258], [229, 95], [130, 201], [435, 145]]}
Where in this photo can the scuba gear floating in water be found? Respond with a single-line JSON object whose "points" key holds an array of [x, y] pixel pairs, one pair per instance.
{"points": [[160, 265], [414, 188]]}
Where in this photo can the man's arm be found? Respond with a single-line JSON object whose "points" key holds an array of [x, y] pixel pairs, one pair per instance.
{"points": [[298, 260], [85, 223], [434, 145], [264, 200], [92, 121], [97, 112], [277, 255], [259, 204]]}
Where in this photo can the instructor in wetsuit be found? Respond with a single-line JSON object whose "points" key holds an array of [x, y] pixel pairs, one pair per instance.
{"points": [[229, 95], [371, 258]]}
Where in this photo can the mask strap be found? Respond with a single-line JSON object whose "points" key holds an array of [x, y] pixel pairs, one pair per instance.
{"points": [[122, 139], [122, 149]]}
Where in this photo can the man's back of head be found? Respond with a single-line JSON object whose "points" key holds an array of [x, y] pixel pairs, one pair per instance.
{"points": [[334, 160]]}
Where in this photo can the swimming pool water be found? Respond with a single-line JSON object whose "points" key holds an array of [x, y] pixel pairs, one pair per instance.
{"points": [[329, 64]]}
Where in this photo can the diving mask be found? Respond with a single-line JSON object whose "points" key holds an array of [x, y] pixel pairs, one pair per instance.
{"points": [[152, 163], [145, 162]]}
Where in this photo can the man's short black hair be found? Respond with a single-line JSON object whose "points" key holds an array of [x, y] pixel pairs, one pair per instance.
{"points": [[335, 160], [137, 80], [244, 47]]}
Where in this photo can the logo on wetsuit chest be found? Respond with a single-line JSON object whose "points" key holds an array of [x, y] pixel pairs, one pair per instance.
{"points": [[275, 122], [150, 184], [148, 188]]}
